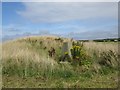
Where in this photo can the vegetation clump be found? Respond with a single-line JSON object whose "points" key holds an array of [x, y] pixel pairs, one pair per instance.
{"points": [[109, 59], [79, 54]]}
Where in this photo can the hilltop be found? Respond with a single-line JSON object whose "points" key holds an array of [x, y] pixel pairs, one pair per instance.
{"points": [[27, 60]]}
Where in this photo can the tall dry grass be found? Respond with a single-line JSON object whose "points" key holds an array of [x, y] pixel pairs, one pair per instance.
{"points": [[23, 58], [99, 47], [18, 53], [102, 53]]}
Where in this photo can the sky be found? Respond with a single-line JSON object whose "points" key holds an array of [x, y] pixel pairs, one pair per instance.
{"points": [[78, 20]]}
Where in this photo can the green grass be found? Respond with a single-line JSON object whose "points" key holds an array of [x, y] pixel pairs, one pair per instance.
{"points": [[97, 81]]}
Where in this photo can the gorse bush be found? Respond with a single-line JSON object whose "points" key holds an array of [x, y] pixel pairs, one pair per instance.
{"points": [[79, 54], [76, 51]]}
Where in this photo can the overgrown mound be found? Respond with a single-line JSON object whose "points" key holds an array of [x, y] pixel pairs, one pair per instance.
{"points": [[41, 56]]}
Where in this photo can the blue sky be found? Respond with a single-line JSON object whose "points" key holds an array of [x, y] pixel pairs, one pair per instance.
{"points": [[80, 20]]}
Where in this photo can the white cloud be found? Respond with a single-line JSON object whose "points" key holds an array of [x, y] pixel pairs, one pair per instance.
{"points": [[57, 12]]}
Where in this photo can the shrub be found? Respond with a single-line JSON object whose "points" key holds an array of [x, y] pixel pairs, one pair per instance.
{"points": [[78, 54]]}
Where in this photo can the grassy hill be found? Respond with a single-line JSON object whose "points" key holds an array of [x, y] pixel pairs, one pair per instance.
{"points": [[26, 63]]}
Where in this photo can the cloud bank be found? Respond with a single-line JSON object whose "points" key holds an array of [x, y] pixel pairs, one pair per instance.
{"points": [[60, 12]]}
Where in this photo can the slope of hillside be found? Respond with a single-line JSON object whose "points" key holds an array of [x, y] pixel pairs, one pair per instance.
{"points": [[27, 60]]}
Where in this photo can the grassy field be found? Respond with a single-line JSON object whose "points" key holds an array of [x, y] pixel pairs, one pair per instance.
{"points": [[26, 63]]}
